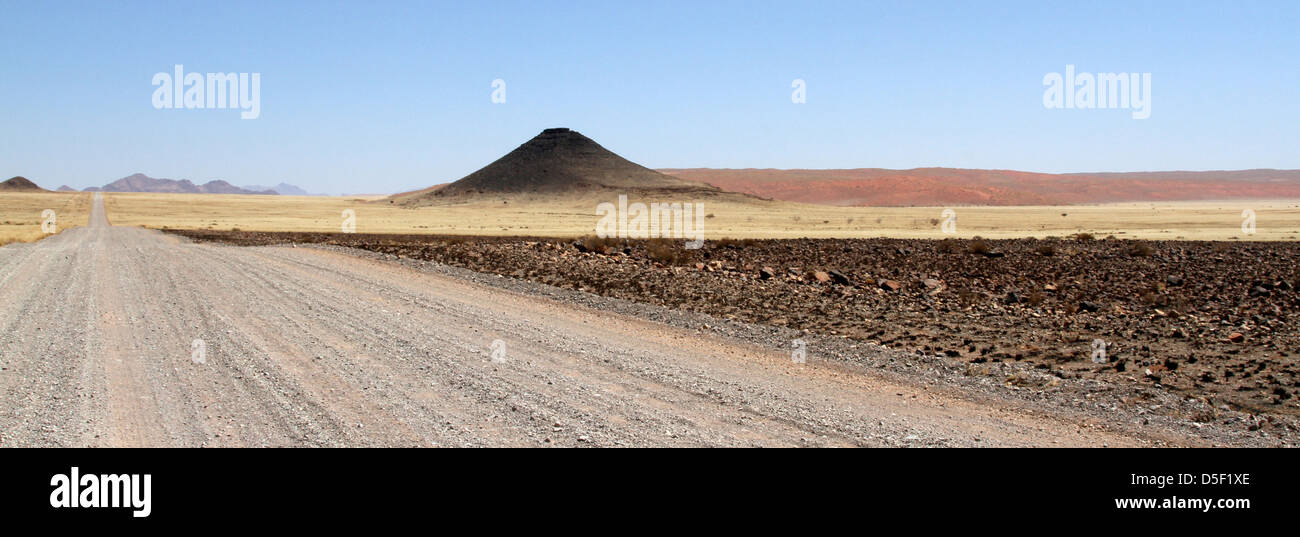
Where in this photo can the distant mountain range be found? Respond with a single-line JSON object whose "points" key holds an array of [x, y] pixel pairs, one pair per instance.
{"points": [[283, 189], [140, 182], [955, 186]]}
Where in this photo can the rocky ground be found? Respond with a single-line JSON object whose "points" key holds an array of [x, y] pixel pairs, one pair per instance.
{"points": [[1212, 321], [121, 336]]}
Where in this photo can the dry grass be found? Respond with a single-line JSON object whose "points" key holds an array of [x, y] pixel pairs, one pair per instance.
{"points": [[20, 213], [1276, 220]]}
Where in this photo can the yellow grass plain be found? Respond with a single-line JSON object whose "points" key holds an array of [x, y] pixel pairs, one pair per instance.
{"points": [[727, 217], [20, 213]]}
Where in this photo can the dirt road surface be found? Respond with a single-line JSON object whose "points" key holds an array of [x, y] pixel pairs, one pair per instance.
{"points": [[116, 336]]}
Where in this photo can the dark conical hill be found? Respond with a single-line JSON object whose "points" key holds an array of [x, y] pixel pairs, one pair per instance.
{"points": [[559, 162]]}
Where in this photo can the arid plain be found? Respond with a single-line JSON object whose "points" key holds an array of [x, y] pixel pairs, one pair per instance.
{"points": [[21, 213], [726, 217]]}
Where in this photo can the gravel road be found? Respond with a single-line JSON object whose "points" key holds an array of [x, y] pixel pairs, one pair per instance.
{"points": [[102, 329]]}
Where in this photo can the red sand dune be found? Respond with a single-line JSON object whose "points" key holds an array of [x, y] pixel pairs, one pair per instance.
{"points": [[951, 186]]}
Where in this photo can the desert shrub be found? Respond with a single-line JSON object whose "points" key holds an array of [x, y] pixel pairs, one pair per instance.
{"points": [[1141, 249], [979, 246], [948, 246], [1036, 298], [934, 222], [598, 244], [734, 244], [1084, 237], [665, 251]]}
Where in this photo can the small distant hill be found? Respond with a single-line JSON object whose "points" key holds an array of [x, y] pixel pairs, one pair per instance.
{"points": [[283, 189], [140, 182], [956, 186], [558, 162], [66, 188], [425, 190], [20, 184]]}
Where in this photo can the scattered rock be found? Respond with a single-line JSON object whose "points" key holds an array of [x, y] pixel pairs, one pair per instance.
{"points": [[839, 278], [1180, 303]]}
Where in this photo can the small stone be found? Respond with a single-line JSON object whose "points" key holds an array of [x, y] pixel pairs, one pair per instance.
{"points": [[840, 278]]}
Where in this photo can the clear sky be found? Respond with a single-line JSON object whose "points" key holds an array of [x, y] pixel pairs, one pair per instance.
{"points": [[362, 97]]}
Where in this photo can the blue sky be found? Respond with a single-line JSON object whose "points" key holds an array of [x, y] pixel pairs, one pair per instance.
{"points": [[385, 96]]}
